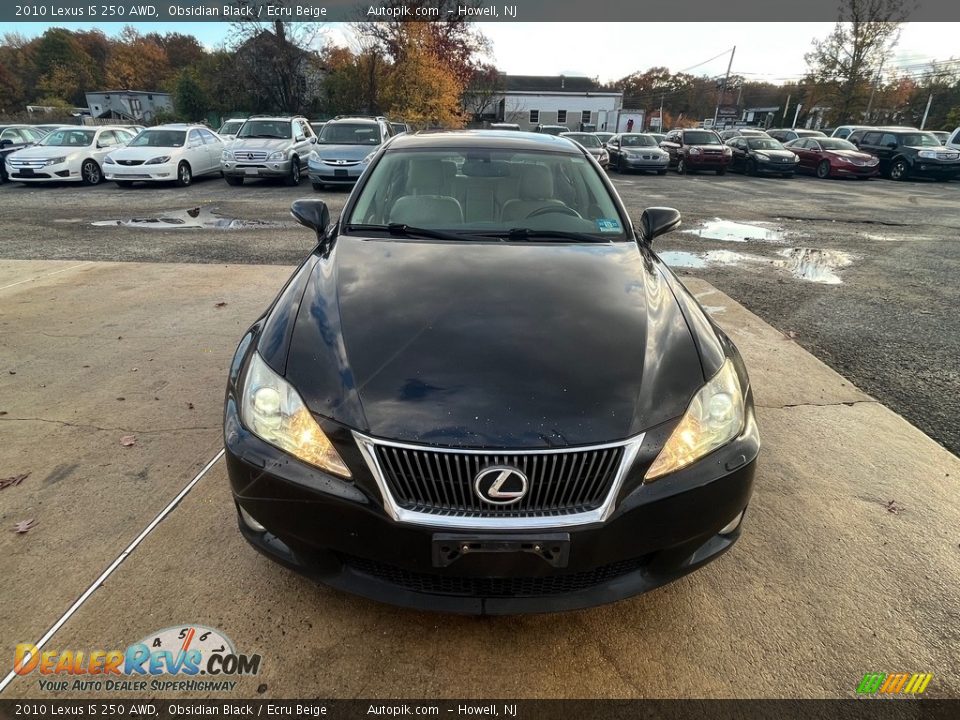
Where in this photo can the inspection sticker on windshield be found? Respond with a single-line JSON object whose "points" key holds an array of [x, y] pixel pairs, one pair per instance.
{"points": [[606, 225]]}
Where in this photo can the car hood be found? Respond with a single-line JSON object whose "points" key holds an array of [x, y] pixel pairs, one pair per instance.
{"points": [[42, 152], [344, 152], [775, 153], [942, 151], [270, 145], [492, 345], [144, 153], [851, 154]]}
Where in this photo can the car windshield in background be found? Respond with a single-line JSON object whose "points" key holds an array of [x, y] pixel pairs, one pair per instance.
{"points": [[479, 192], [836, 144], [159, 138], [69, 138], [350, 134], [920, 139], [637, 141], [231, 128], [701, 138], [585, 139], [755, 143], [276, 129]]}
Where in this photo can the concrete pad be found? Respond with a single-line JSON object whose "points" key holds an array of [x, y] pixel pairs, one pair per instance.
{"points": [[90, 353], [826, 584]]}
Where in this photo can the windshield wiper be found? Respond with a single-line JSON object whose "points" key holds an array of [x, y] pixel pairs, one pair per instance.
{"points": [[528, 234], [404, 230]]}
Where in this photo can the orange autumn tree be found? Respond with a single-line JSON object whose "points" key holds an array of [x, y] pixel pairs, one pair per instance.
{"points": [[419, 87]]}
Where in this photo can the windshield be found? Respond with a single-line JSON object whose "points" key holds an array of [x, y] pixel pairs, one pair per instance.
{"points": [[764, 144], [585, 139], [69, 138], [836, 144], [488, 190], [637, 141], [230, 127], [920, 139], [350, 134], [159, 138], [277, 129], [701, 138]]}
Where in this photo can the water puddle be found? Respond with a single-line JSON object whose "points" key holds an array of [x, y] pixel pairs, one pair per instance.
{"points": [[192, 219], [729, 231], [685, 259], [814, 264]]}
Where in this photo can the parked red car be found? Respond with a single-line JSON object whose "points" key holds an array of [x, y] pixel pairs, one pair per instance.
{"points": [[692, 150], [832, 157]]}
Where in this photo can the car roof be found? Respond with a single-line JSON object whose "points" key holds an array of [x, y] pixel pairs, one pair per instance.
{"points": [[489, 139], [354, 119], [177, 126]]}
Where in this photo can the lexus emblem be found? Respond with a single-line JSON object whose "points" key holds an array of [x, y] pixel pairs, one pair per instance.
{"points": [[500, 485]]}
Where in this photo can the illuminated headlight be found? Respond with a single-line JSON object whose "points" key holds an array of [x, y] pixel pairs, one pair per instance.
{"points": [[694, 151], [715, 416], [108, 160], [226, 155], [279, 155], [929, 154], [273, 411], [158, 160], [56, 160]]}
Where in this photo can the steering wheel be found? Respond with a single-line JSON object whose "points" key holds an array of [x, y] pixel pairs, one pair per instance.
{"points": [[562, 209]]}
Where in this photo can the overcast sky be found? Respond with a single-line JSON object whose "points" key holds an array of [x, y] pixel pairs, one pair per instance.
{"points": [[765, 51]]}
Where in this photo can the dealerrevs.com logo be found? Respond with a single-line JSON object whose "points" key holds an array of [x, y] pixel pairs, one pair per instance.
{"points": [[175, 659]]}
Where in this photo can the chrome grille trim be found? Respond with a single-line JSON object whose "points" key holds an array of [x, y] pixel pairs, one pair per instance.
{"points": [[250, 155], [629, 449]]}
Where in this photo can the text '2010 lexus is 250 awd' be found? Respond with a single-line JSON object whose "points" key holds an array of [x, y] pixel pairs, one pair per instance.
{"points": [[483, 392]]}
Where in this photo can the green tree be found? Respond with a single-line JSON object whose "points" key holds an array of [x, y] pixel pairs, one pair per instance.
{"points": [[189, 99]]}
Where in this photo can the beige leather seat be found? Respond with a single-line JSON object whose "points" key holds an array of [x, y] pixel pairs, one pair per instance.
{"points": [[425, 176], [427, 211], [536, 191]]}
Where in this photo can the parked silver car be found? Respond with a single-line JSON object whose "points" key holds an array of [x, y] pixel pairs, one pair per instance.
{"points": [[344, 148], [591, 144], [269, 146]]}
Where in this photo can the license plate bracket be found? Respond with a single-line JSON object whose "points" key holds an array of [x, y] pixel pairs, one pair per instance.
{"points": [[339, 173], [251, 171], [552, 548]]}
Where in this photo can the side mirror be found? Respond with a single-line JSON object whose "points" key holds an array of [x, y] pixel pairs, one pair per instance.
{"points": [[656, 221], [892, 146], [313, 214], [313, 140], [5, 142]]}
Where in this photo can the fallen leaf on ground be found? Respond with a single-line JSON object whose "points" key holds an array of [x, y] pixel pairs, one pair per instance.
{"points": [[220, 304], [24, 525], [892, 507], [13, 480], [128, 440], [190, 405]]}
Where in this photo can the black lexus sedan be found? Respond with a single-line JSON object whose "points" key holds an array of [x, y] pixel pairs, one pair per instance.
{"points": [[762, 155], [483, 392]]}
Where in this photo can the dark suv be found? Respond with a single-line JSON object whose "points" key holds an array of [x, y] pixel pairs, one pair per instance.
{"points": [[697, 150], [911, 153]]}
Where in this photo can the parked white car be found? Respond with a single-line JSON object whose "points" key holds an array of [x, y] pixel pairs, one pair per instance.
{"points": [[230, 128], [72, 153], [953, 141], [177, 152]]}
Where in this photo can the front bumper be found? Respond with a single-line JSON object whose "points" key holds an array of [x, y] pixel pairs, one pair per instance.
{"points": [[711, 162], [638, 162], [777, 167], [850, 170], [337, 532], [933, 169], [322, 173], [61, 172], [161, 172], [255, 168]]}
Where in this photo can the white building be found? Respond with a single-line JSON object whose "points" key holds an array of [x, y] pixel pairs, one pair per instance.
{"points": [[531, 100]]}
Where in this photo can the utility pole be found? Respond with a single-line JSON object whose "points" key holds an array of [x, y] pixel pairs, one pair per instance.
{"points": [[795, 115], [873, 90], [660, 129], [926, 112], [783, 119], [723, 90]]}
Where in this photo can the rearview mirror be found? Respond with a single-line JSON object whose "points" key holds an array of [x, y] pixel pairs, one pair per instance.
{"points": [[313, 214], [656, 221]]}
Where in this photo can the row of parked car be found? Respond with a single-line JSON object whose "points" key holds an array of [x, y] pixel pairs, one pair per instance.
{"points": [[284, 147]]}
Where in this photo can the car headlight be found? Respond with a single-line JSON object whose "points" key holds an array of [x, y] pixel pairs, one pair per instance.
{"points": [[279, 155], [714, 417], [796, 158], [694, 151], [872, 161], [929, 154], [762, 156], [313, 155], [369, 158], [273, 411], [56, 160], [728, 151], [226, 155], [159, 160], [108, 160], [603, 155]]}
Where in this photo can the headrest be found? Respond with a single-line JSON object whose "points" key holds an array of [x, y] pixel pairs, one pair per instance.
{"points": [[536, 183], [427, 211]]}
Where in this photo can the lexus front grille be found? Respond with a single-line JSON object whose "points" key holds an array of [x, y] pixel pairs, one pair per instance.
{"points": [[438, 486]]}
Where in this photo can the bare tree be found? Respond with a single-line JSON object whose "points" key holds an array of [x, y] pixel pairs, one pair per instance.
{"points": [[483, 91], [851, 57]]}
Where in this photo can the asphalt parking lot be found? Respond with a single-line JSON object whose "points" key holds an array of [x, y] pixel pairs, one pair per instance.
{"points": [[850, 557]]}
